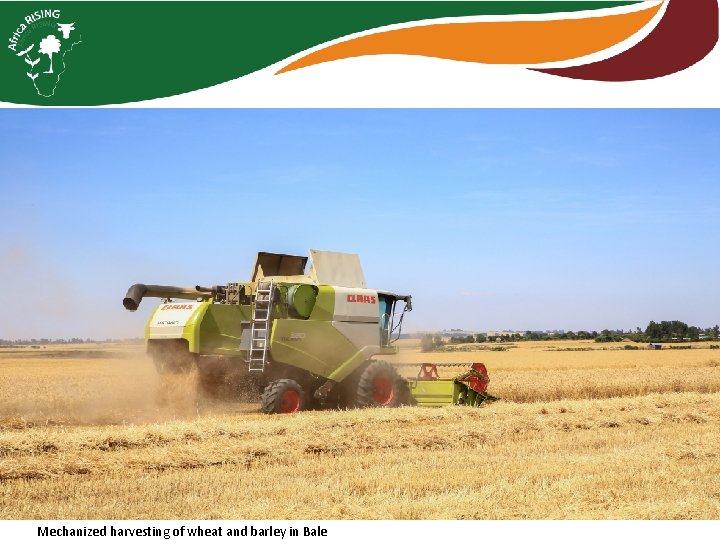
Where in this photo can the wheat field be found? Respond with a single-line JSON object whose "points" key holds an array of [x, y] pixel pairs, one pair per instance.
{"points": [[91, 433]]}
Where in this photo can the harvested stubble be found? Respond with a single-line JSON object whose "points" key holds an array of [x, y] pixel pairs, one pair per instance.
{"points": [[654, 456]]}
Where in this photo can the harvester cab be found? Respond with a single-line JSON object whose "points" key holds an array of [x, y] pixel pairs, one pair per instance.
{"points": [[307, 338]]}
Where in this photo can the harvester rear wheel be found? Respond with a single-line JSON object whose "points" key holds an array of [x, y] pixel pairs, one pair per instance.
{"points": [[283, 396], [381, 386]]}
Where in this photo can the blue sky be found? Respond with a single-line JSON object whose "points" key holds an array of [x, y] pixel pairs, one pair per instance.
{"points": [[491, 219]]}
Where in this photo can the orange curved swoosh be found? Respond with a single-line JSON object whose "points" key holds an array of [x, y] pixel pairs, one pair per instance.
{"points": [[511, 42]]}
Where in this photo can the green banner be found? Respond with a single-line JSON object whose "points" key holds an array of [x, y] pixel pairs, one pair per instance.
{"points": [[94, 53]]}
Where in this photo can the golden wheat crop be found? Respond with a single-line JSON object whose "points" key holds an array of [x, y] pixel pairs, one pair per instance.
{"points": [[553, 355], [87, 438]]}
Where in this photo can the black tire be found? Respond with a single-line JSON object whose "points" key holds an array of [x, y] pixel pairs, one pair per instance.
{"points": [[283, 396], [380, 385]]}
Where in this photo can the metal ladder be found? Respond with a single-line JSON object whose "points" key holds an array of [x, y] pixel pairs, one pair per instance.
{"points": [[260, 327]]}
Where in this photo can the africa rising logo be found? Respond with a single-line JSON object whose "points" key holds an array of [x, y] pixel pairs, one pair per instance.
{"points": [[43, 41]]}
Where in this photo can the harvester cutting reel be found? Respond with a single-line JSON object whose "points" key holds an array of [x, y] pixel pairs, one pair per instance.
{"points": [[469, 388]]}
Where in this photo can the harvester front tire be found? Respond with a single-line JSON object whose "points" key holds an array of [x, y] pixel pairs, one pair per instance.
{"points": [[381, 386], [283, 396]]}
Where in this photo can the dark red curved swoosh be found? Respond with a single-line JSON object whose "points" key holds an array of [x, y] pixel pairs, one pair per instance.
{"points": [[685, 35]]}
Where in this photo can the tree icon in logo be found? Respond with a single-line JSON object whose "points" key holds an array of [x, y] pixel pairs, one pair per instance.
{"points": [[50, 45], [54, 39]]}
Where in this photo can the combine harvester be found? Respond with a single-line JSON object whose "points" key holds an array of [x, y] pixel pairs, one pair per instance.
{"points": [[306, 340]]}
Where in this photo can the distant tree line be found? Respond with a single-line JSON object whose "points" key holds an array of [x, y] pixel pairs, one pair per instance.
{"points": [[664, 331], [674, 330]]}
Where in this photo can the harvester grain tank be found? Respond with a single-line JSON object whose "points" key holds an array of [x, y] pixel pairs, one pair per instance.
{"points": [[307, 339]]}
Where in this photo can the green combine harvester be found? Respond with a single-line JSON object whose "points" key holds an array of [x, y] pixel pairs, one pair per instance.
{"points": [[306, 340]]}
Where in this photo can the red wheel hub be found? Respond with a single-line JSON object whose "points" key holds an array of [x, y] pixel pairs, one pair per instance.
{"points": [[290, 401], [382, 390]]}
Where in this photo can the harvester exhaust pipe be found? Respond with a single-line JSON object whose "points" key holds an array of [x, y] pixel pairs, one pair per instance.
{"points": [[137, 292]]}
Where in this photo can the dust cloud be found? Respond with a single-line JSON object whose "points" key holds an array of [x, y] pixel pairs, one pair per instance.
{"points": [[125, 389]]}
